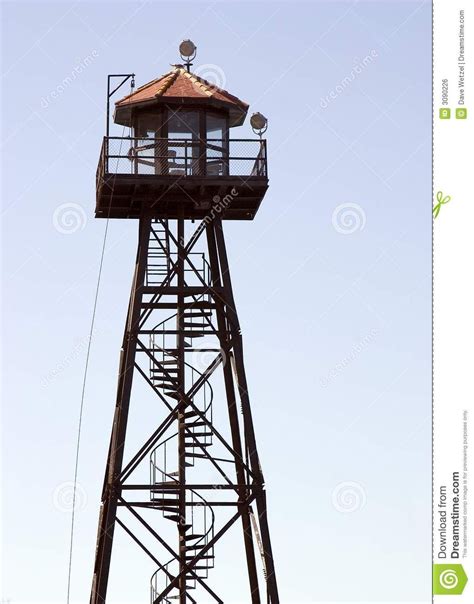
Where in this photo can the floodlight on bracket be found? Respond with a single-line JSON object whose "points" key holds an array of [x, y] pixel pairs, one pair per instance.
{"points": [[259, 124]]}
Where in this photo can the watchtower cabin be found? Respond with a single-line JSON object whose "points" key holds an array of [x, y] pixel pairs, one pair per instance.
{"points": [[180, 155]]}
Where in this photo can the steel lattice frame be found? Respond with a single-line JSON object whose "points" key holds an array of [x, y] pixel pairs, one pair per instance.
{"points": [[200, 300]]}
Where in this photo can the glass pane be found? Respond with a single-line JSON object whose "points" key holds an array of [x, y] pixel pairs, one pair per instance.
{"points": [[147, 125], [183, 154], [215, 126], [216, 146], [144, 156], [183, 124]]}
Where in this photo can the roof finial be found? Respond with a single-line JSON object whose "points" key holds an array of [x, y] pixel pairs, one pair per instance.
{"points": [[187, 50]]}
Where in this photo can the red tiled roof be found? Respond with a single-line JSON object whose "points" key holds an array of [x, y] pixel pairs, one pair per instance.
{"points": [[179, 83]]}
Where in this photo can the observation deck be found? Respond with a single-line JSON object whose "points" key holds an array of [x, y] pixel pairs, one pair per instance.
{"points": [[188, 177]]}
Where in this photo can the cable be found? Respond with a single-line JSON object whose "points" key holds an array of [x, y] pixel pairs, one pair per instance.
{"points": [[86, 368], [81, 409]]}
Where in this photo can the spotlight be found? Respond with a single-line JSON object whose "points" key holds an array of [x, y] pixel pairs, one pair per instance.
{"points": [[187, 50], [259, 123]]}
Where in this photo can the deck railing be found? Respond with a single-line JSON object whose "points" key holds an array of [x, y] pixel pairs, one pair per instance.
{"points": [[183, 157]]}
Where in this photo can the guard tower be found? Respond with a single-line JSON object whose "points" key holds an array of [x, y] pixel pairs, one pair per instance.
{"points": [[196, 473]]}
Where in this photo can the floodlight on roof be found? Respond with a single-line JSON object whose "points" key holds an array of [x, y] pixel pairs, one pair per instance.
{"points": [[187, 50]]}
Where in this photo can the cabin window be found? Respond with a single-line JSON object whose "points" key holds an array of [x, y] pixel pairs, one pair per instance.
{"points": [[216, 145], [183, 142], [147, 125], [146, 149], [183, 124]]}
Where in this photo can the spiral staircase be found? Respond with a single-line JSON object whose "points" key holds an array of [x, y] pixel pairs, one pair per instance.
{"points": [[199, 522]]}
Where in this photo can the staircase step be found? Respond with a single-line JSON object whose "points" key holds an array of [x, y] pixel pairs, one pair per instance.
{"points": [[198, 444], [191, 557], [171, 393], [167, 502], [160, 376], [197, 313], [164, 370], [193, 536], [173, 517], [190, 414], [198, 434], [191, 324], [186, 527], [196, 424], [188, 548]]}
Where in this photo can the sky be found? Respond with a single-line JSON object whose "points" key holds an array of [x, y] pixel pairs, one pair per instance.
{"points": [[332, 282]]}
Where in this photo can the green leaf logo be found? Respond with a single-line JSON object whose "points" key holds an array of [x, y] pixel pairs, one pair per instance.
{"points": [[448, 579]]}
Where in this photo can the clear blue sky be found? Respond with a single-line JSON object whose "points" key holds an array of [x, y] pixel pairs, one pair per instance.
{"points": [[336, 325]]}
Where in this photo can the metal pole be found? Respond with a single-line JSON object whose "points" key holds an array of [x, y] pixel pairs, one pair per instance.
{"points": [[180, 343]]}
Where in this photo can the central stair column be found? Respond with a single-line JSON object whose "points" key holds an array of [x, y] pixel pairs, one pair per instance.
{"points": [[180, 344]]}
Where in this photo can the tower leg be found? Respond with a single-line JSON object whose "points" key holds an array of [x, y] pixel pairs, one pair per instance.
{"points": [[251, 444], [115, 455], [234, 420]]}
